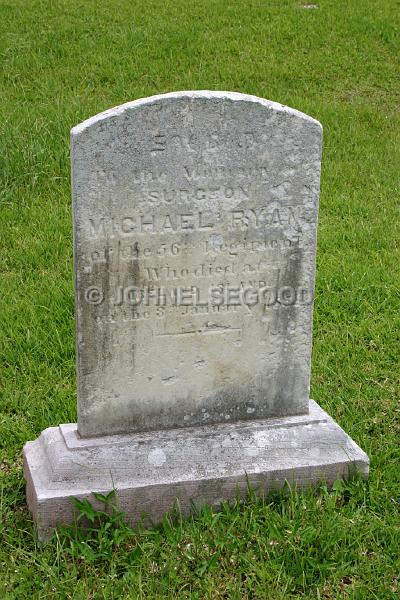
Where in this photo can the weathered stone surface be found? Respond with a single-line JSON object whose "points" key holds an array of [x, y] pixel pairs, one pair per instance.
{"points": [[195, 218], [150, 471], [176, 196]]}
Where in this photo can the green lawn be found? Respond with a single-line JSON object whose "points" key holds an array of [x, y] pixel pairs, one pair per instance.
{"points": [[63, 61]]}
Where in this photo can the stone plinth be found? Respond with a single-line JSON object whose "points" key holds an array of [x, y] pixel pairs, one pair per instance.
{"points": [[153, 471]]}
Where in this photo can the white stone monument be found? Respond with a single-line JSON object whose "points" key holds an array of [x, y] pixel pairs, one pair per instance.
{"points": [[195, 222]]}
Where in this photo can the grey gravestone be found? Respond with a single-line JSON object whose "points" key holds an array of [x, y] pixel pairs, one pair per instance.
{"points": [[195, 220], [176, 199]]}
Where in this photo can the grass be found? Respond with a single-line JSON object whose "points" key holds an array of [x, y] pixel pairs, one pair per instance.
{"points": [[63, 61]]}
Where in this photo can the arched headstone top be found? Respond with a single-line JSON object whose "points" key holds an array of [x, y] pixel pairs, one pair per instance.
{"points": [[192, 95]]}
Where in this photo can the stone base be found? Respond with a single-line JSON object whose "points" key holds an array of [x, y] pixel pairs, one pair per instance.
{"points": [[152, 471]]}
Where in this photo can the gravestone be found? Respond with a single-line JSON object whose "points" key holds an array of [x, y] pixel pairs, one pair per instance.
{"points": [[195, 220], [195, 229]]}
